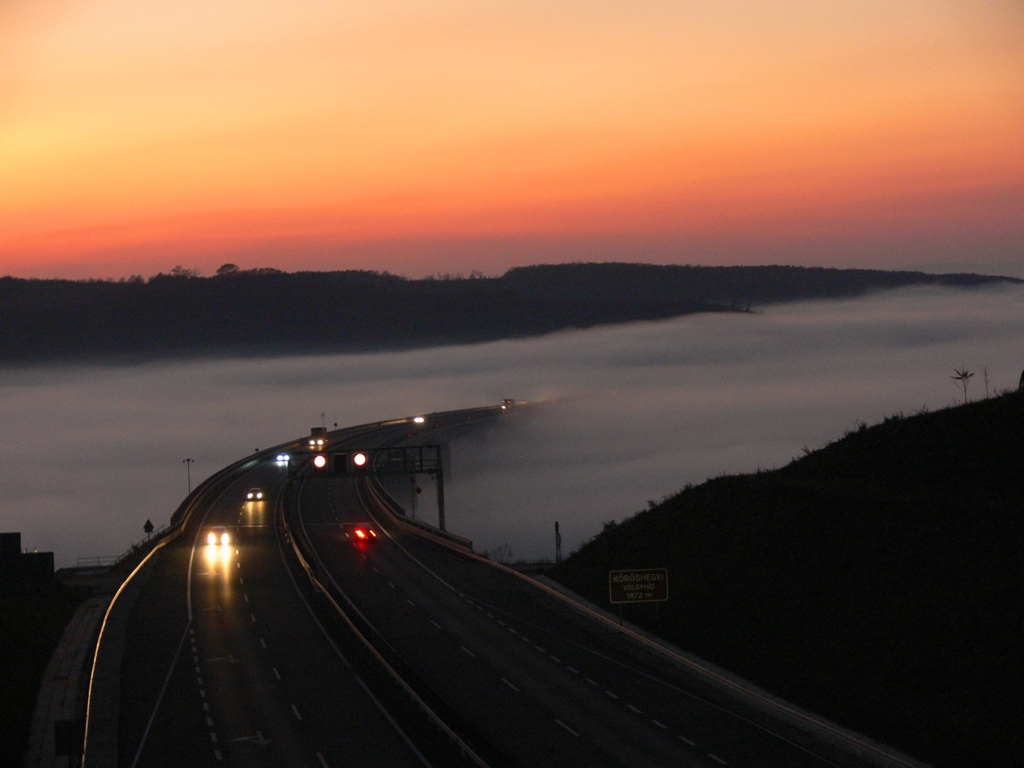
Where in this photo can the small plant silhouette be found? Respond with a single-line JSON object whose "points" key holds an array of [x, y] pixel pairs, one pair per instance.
{"points": [[962, 376]]}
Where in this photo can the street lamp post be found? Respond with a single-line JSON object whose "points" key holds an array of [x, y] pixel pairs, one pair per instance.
{"points": [[188, 471]]}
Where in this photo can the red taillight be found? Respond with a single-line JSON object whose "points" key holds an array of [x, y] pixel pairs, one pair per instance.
{"points": [[360, 533]]}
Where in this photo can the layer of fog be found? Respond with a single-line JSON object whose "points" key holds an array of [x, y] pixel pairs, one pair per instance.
{"points": [[629, 414]]}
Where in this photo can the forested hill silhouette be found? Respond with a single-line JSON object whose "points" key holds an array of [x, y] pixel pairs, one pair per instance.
{"points": [[876, 581], [269, 312]]}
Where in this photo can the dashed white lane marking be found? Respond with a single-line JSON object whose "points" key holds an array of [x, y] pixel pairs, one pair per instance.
{"points": [[512, 631], [573, 670], [213, 737], [209, 721], [592, 682], [471, 654], [555, 658], [506, 682], [390, 584], [502, 623], [635, 709], [296, 711], [241, 580], [246, 598], [660, 725], [539, 648], [218, 755], [717, 759], [253, 617], [435, 623], [687, 741], [276, 673], [410, 602], [614, 696], [206, 707], [200, 681], [321, 759], [570, 730], [263, 642]]}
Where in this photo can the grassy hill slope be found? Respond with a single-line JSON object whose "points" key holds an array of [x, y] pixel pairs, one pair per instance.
{"points": [[878, 581]]}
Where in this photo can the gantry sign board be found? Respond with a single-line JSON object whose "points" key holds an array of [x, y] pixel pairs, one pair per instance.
{"points": [[644, 585], [408, 460]]}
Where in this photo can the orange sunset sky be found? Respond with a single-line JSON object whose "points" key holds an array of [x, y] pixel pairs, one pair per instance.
{"points": [[422, 136]]}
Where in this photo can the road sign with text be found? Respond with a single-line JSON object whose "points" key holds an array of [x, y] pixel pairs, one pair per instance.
{"points": [[643, 585]]}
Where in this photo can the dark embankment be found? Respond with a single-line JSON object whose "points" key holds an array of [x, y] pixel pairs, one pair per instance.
{"points": [[878, 581], [268, 312], [30, 628]]}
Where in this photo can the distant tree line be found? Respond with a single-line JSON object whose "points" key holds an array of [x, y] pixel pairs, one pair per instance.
{"points": [[269, 312]]}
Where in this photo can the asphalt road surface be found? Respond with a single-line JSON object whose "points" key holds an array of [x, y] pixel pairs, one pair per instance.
{"points": [[232, 656], [225, 663]]}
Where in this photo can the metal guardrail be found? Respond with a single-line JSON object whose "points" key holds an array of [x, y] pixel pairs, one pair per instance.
{"points": [[396, 515], [112, 561], [97, 562]]}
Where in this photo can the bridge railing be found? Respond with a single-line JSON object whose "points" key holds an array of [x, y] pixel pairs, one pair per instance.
{"points": [[112, 561], [387, 505]]}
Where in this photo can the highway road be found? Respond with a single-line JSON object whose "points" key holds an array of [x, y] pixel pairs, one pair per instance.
{"points": [[233, 657], [532, 682], [225, 662]]}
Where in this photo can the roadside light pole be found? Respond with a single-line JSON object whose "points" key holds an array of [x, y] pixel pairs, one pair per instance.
{"points": [[188, 471]]}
